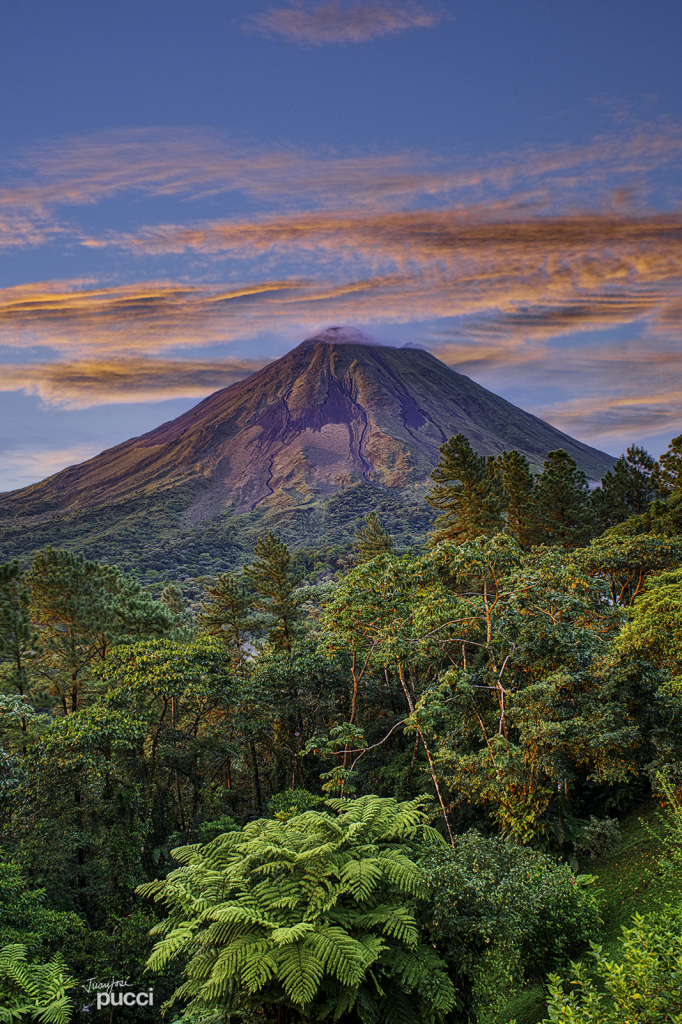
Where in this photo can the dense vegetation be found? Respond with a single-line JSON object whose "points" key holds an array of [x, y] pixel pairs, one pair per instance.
{"points": [[365, 784]]}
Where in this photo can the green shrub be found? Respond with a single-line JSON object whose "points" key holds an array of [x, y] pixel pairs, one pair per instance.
{"points": [[498, 911], [291, 802], [643, 987], [599, 837]]}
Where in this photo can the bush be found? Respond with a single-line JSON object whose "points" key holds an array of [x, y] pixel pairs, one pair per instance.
{"points": [[643, 987], [599, 837], [498, 911], [287, 804]]}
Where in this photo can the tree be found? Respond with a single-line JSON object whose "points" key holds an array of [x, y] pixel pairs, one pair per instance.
{"points": [[667, 476], [563, 501], [468, 493], [626, 490], [274, 579], [313, 917], [627, 563], [19, 641], [519, 486], [371, 540], [226, 614], [81, 610]]}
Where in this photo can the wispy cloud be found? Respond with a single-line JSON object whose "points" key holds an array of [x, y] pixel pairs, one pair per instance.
{"points": [[189, 163], [341, 22], [79, 384], [23, 466], [515, 252], [533, 277]]}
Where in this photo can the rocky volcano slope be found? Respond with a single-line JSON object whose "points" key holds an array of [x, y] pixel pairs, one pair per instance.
{"points": [[337, 410]]}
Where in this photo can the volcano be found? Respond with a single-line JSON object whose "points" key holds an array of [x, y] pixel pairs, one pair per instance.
{"points": [[338, 410]]}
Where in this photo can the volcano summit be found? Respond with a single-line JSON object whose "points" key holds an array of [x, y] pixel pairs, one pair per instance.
{"points": [[338, 410]]}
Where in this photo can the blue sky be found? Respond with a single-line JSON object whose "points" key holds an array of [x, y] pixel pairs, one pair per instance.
{"points": [[187, 190]]}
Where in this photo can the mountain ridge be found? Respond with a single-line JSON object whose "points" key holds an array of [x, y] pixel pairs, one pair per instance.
{"points": [[337, 410]]}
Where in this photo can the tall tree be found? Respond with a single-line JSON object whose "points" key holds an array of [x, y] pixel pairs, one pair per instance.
{"points": [[82, 609], [668, 474], [519, 485], [226, 614], [19, 641], [274, 579], [626, 490], [562, 498], [371, 540], [468, 493]]}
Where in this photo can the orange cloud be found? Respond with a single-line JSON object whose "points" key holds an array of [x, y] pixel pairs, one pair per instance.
{"points": [[338, 22], [191, 163], [77, 385]]}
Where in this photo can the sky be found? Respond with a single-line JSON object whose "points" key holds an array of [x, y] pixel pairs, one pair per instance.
{"points": [[188, 189]]}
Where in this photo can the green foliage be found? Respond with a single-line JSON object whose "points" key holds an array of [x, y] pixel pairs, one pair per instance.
{"points": [[467, 492], [519, 487], [291, 802], [626, 490], [33, 992], [226, 613], [82, 609], [24, 917], [599, 837], [644, 986], [626, 563], [655, 627], [273, 577], [316, 913], [19, 641], [667, 475], [497, 912], [371, 540], [562, 496]]}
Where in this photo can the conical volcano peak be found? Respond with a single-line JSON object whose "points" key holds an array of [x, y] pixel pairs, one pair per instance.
{"points": [[342, 336]]}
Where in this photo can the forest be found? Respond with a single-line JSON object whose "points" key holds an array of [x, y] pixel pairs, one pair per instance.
{"points": [[376, 789]]}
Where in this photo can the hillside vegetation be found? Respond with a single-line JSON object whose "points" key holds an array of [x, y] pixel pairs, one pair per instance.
{"points": [[372, 783]]}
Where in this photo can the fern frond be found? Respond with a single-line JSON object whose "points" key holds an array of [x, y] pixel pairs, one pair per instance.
{"points": [[300, 972]]}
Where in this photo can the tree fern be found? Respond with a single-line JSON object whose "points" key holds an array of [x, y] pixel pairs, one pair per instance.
{"points": [[33, 992], [314, 913]]}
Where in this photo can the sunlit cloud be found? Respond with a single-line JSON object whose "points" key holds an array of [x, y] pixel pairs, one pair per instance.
{"points": [[23, 466], [528, 278], [78, 385], [341, 22], [510, 255], [605, 173]]}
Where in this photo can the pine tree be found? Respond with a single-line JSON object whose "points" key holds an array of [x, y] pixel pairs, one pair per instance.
{"points": [[82, 609], [562, 497], [19, 642], [274, 579], [468, 492], [668, 474], [626, 490], [519, 484], [371, 540], [226, 614]]}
